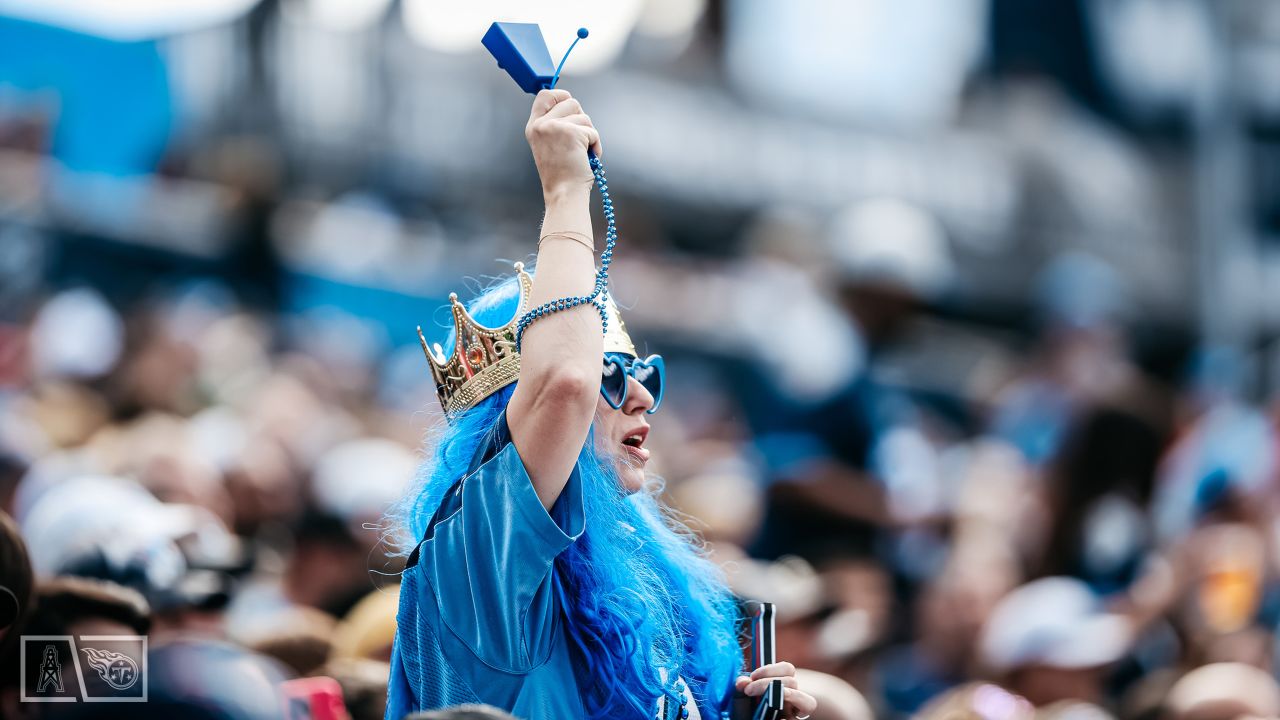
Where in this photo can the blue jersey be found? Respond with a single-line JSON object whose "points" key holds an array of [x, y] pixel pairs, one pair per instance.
{"points": [[481, 618]]}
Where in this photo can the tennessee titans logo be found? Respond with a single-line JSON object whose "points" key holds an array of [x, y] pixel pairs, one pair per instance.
{"points": [[116, 669]]}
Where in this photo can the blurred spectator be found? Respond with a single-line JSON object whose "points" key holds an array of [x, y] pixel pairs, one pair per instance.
{"points": [[978, 701], [303, 643], [12, 468], [838, 474], [1050, 640], [73, 606], [1080, 359], [948, 620], [384, 469], [222, 678], [368, 630], [79, 606], [1224, 607], [837, 700], [177, 556], [1224, 691], [75, 335], [1097, 491], [332, 564], [16, 598], [1073, 710], [1224, 461], [328, 568], [16, 581], [364, 685]]}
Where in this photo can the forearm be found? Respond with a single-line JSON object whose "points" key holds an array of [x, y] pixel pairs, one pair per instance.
{"points": [[554, 402], [569, 341]]}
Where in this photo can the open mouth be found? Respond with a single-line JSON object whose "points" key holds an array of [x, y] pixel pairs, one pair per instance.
{"points": [[634, 443]]}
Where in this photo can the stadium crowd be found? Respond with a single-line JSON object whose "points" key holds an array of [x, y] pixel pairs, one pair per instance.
{"points": [[1060, 532]]}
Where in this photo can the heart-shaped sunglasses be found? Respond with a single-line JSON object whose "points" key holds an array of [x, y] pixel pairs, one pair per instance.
{"points": [[649, 372]]}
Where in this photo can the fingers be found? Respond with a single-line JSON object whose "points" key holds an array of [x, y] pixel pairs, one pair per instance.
{"points": [[778, 669], [593, 142], [799, 703], [560, 105], [582, 123], [757, 687], [579, 119], [592, 135], [565, 107], [545, 100]]}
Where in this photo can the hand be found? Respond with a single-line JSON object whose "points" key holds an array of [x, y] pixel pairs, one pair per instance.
{"points": [[560, 134], [796, 702]]}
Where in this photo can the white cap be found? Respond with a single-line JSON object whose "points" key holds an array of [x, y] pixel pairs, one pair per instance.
{"points": [[360, 479], [893, 243], [76, 334], [1057, 622], [96, 510]]}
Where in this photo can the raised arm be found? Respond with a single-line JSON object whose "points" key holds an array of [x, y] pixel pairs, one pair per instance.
{"points": [[554, 402]]}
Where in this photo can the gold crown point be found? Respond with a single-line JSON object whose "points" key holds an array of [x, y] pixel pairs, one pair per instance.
{"points": [[485, 360]]}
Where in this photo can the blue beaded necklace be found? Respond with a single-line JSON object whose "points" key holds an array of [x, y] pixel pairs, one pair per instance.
{"points": [[671, 711], [597, 296]]}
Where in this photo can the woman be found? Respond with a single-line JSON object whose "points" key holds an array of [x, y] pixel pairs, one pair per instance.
{"points": [[544, 580]]}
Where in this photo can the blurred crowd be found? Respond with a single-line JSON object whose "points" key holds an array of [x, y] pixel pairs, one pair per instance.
{"points": [[1055, 532]]}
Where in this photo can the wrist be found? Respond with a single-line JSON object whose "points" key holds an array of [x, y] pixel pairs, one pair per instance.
{"points": [[566, 193], [570, 235]]}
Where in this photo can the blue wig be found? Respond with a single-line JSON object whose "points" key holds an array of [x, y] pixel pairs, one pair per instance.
{"points": [[642, 601]]}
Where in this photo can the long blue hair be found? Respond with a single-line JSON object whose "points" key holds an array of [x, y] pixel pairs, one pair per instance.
{"points": [[642, 602]]}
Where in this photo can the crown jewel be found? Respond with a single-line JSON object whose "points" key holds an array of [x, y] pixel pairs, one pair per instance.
{"points": [[484, 359]]}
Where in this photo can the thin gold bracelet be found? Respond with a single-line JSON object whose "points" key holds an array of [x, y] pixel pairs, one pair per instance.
{"points": [[570, 235]]}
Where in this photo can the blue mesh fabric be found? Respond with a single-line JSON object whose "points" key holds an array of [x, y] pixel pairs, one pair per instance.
{"points": [[421, 675]]}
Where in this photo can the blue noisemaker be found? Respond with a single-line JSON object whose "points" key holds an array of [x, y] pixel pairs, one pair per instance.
{"points": [[520, 50]]}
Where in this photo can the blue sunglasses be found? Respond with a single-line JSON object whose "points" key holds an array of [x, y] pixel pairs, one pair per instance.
{"points": [[649, 372]]}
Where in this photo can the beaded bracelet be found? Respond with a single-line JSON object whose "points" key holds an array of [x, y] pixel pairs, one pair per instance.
{"points": [[596, 298]]}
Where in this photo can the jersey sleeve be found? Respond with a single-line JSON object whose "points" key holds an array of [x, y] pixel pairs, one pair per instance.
{"points": [[490, 561]]}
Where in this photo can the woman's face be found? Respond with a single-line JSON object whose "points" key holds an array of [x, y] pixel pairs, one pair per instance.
{"points": [[621, 433]]}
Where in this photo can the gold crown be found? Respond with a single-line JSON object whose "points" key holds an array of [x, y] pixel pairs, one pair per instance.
{"points": [[485, 360]]}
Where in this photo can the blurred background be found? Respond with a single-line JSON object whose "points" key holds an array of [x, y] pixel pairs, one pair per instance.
{"points": [[971, 311]]}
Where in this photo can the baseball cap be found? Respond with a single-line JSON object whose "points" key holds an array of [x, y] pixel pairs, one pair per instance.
{"points": [[1057, 622]]}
